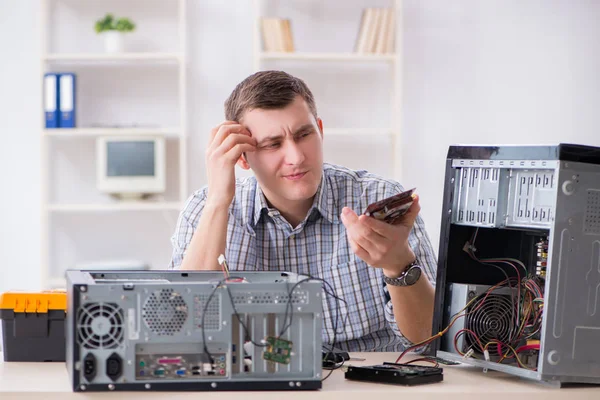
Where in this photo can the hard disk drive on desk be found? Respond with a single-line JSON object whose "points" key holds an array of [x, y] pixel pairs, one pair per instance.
{"points": [[170, 330], [518, 285]]}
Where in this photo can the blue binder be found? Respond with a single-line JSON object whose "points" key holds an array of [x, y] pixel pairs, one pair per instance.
{"points": [[51, 92], [67, 100]]}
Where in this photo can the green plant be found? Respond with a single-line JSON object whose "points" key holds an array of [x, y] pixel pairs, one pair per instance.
{"points": [[109, 23]]}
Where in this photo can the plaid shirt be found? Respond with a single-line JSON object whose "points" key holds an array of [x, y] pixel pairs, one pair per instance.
{"points": [[259, 238]]}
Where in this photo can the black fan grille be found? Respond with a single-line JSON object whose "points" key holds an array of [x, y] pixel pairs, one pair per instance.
{"points": [[491, 318], [100, 325], [165, 312]]}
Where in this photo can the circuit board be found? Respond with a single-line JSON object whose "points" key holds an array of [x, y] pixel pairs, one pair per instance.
{"points": [[278, 350]]}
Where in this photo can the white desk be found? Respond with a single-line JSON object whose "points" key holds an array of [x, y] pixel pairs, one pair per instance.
{"points": [[49, 381]]}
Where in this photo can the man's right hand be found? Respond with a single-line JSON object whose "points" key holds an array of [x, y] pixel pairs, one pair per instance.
{"points": [[228, 141]]}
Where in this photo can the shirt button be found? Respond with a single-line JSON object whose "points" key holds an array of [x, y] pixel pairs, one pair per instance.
{"points": [[271, 214]]}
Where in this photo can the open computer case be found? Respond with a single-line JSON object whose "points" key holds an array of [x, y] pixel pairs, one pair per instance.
{"points": [[518, 284]]}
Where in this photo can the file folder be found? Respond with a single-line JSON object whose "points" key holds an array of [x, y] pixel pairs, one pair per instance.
{"points": [[51, 100], [67, 84]]}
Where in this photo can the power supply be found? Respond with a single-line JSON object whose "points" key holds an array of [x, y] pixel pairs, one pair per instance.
{"points": [[172, 330], [518, 283]]}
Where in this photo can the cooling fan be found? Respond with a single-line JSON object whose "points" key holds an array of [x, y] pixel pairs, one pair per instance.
{"points": [[491, 318], [165, 312], [100, 325]]}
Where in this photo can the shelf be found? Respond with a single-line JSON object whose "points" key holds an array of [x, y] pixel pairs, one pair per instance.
{"points": [[110, 57], [123, 206], [92, 132], [348, 57], [90, 61], [356, 132]]}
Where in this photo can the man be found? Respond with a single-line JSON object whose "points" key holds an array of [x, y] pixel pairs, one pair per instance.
{"points": [[298, 214]]}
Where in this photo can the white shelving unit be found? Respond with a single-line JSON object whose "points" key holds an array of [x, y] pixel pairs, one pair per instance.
{"points": [[94, 132], [345, 58], [123, 206], [119, 57], [47, 136]]}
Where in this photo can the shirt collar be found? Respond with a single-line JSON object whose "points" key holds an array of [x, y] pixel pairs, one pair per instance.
{"points": [[260, 204], [323, 202]]}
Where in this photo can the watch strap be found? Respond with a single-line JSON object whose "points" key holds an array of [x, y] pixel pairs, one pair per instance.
{"points": [[401, 280]]}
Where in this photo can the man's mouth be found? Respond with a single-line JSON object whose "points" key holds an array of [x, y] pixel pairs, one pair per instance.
{"points": [[295, 177]]}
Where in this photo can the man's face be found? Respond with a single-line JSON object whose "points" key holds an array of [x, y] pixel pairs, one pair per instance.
{"points": [[288, 160]]}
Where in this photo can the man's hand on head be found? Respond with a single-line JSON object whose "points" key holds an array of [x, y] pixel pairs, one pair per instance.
{"points": [[228, 141], [380, 244]]}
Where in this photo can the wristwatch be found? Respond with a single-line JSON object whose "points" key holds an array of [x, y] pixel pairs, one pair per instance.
{"points": [[409, 277]]}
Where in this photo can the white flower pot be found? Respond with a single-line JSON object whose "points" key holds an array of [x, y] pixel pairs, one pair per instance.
{"points": [[113, 42]]}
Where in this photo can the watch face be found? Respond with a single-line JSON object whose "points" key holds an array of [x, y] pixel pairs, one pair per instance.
{"points": [[412, 275]]}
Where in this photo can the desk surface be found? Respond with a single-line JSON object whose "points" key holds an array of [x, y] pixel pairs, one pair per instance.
{"points": [[50, 381]]}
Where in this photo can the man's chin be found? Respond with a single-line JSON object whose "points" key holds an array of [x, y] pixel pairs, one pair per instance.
{"points": [[299, 194]]}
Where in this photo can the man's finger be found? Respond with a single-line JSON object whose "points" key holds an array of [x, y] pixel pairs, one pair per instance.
{"points": [[348, 216], [237, 150], [232, 140], [359, 251], [226, 130], [213, 131], [382, 228], [368, 239], [411, 215]]}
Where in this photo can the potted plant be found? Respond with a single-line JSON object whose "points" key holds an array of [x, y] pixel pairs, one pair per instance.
{"points": [[113, 30]]}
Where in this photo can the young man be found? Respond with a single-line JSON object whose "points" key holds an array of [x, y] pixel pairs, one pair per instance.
{"points": [[300, 215]]}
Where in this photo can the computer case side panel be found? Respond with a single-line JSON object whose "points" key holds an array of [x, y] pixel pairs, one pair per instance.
{"points": [[571, 327]]}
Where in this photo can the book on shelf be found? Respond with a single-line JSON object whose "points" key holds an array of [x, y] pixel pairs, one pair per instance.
{"points": [[376, 32], [277, 35]]}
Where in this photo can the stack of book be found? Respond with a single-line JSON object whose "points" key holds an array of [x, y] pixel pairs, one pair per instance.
{"points": [[377, 31], [277, 35]]}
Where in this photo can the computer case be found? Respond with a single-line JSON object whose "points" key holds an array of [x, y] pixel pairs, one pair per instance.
{"points": [[181, 331], [518, 282]]}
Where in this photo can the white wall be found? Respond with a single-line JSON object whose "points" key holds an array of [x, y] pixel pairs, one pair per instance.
{"points": [[495, 71], [20, 152], [499, 71]]}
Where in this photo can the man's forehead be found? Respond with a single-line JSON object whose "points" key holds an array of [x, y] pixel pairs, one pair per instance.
{"points": [[266, 122]]}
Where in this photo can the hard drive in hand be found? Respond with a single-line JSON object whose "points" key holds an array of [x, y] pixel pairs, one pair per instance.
{"points": [[391, 209]]}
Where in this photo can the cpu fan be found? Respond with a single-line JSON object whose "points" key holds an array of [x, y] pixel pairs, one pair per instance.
{"points": [[100, 325]]}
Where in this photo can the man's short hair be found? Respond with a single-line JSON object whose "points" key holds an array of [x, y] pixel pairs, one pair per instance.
{"points": [[267, 90]]}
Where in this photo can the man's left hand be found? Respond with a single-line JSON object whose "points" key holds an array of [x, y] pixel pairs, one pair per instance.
{"points": [[380, 244]]}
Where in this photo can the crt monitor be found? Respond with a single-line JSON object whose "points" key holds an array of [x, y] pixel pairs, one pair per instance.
{"points": [[132, 166]]}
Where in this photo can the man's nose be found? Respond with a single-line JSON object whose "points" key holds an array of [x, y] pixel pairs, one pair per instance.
{"points": [[293, 153]]}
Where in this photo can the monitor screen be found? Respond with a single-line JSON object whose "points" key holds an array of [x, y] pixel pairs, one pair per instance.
{"points": [[134, 158]]}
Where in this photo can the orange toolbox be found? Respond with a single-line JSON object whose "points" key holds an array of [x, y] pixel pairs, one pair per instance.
{"points": [[33, 325]]}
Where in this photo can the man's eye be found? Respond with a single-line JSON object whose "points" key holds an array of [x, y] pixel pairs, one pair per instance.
{"points": [[272, 146]]}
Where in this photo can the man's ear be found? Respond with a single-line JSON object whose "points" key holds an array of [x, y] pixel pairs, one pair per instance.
{"points": [[320, 123], [242, 162]]}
